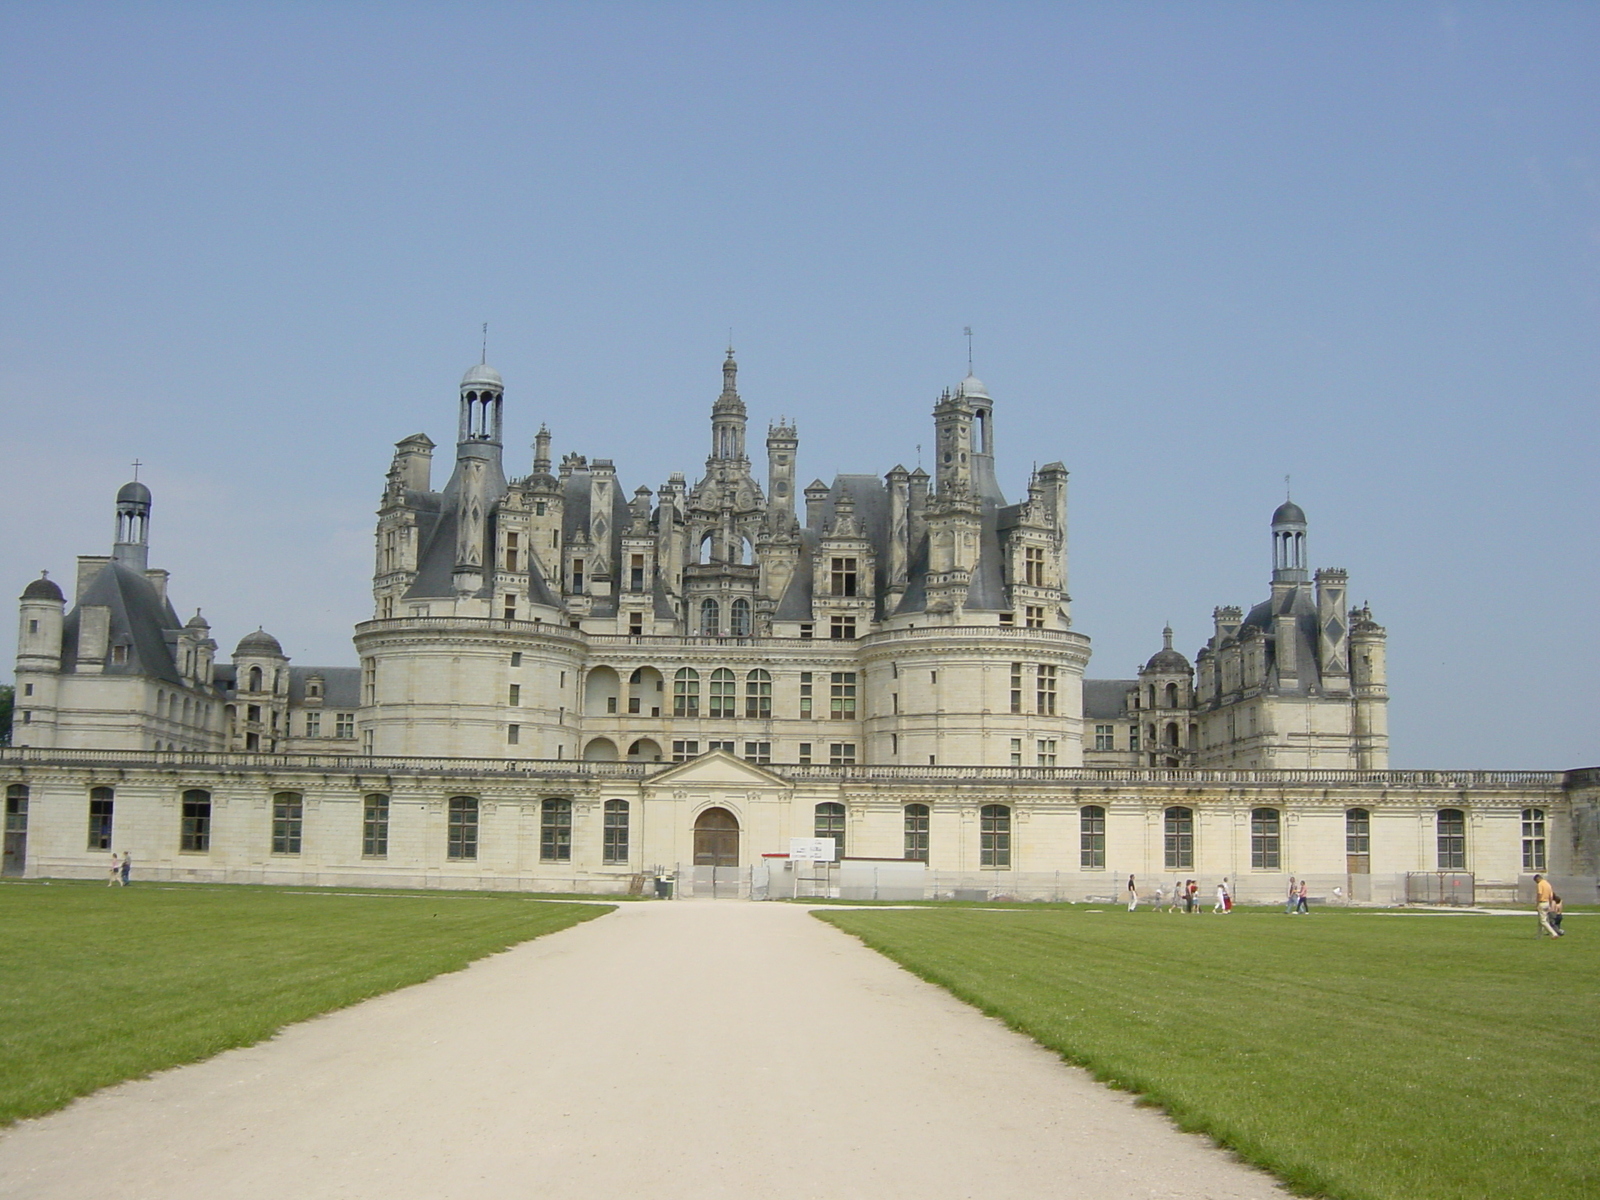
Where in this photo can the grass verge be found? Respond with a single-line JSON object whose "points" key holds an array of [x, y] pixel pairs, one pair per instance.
{"points": [[107, 984], [1353, 1054]]}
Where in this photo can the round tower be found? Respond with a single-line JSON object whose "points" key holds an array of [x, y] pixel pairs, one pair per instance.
{"points": [[1289, 544], [261, 690], [38, 662], [132, 544]]}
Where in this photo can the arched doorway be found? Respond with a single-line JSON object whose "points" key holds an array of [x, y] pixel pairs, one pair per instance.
{"points": [[716, 839]]}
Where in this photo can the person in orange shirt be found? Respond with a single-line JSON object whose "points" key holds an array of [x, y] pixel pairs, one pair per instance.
{"points": [[1543, 894]]}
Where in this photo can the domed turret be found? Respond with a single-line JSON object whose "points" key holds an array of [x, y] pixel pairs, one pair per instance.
{"points": [[972, 387], [134, 492], [43, 588], [132, 546], [1289, 543], [481, 375], [1289, 513], [1167, 661], [259, 644], [482, 390]]}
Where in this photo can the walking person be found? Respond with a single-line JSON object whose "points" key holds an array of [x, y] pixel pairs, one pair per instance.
{"points": [[127, 868], [1177, 894], [1160, 895], [1222, 899], [1301, 902], [1133, 895], [1543, 895], [1294, 896], [1227, 896], [116, 872], [1555, 916]]}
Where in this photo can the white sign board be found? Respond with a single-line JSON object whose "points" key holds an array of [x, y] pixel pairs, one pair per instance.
{"points": [[811, 850]]}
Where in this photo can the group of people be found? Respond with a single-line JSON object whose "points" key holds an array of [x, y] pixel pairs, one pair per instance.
{"points": [[1185, 893], [1297, 903], [120, 870], [1549, 907]]}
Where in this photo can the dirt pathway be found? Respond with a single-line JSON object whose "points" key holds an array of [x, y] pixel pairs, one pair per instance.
{"points": [[696, 1049]]}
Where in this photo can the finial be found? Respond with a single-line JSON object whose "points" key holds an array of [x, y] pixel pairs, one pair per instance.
{"points": [[967, 329], [136, 465], [484, 357], [44, 574], [919, 456], [730, 341], [1287, 494], [1166, 636]]}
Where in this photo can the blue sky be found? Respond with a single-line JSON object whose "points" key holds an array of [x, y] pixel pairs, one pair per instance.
{"points": [[1201, 247]]}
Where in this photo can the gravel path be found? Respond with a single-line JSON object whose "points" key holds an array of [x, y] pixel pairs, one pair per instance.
{"points": [[695, 1049]]}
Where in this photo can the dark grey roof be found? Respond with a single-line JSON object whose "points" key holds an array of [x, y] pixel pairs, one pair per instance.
{"points": [[140, 620], [1167, 662], [341, 686], [43, 588], [795, 603], [133, 493], [1289, 513], [1104, 699]]}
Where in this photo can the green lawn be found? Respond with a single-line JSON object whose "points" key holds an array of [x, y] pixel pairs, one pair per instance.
{"points": [[1355, 1054], [105, 984]]}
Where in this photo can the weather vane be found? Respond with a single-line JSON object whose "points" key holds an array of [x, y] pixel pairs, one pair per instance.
{"points": [[967, 329], [485, 359]]}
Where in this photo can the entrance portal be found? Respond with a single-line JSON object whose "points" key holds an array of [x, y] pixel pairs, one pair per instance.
{"points": [[716, 839]]}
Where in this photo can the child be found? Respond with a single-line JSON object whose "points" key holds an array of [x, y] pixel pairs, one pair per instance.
{"points": [[1555, 914]]}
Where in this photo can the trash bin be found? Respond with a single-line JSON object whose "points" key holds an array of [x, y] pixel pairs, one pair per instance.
{"points": [[663, 887]]}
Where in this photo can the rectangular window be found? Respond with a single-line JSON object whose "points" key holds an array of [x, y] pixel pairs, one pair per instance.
{"points": [[727, 746], [288, 812], [805, 695], [994, 836], [511, 552], [1033, 566], [461, 840], [516, 658], [1358, 841], [614, 845], [1533, 856], [1033, 616], [1045, 693], [196, 832], [1016, 687], [1179, 839], [841, 754], [344, 725], [724, 695], [313, 724], [1452, 831], [1016, 752], [375, 826], [636, 573], [119, 654], [1008, 619], [369, 681], [511, 608], [555, 831], [758, 752], [917, 833], [1092, 838], [683, 751], [844, 577], [516, 695], [828, 822], [1265, 839], [1133, 737], [758, 694], [577, 575], [635, 624], [1045, 748], [805, 753], [1105, 737], [841, 627], [101, 800], [842, 696], [807, 630], [513, 735]]}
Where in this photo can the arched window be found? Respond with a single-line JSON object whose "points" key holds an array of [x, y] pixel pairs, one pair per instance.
{"points": [[1451, 824], [555, 831], [1172, 695], [739, 618], [288, 815], [255, 679], [710, 617], [758, 694], [101, 807], [1265, 839], [994, 836], [1179, 839], [1358, 841], [462, 835], [724, 694], [1533, 856], [686, 693], [1172, 733], [917, 832], [196, 830], [1092, 837], [1150, 691], [830, 824], [375, 826], [614, 848]]}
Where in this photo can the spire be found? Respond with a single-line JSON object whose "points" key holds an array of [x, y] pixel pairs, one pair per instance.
{"points": [[728, 416]]}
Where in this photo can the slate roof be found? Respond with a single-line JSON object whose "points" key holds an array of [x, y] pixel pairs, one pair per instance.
{"points": [[140, 620], [1103, 699]]}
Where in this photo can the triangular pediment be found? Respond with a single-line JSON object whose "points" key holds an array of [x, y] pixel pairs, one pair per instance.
{"points": [[720, 768]]}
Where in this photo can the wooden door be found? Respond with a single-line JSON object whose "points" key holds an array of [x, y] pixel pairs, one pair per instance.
{"points": [[716, 839]]}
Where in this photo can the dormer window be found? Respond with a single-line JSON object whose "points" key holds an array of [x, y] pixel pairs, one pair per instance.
{"points": [[844, 577], [119, 655]]}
